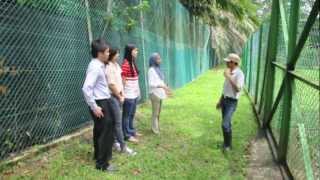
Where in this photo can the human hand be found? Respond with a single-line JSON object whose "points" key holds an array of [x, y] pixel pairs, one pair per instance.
{"points": [[121, 99], [98, 112], [227, 73], [168, 91]]}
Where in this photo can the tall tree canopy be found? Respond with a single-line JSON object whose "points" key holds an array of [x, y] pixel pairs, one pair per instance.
{"points": [[231, 21]]}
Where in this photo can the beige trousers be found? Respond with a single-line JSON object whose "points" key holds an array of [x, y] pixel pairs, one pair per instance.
{"points": [[156, 108]]}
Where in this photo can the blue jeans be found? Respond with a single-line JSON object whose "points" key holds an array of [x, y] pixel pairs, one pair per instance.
{"points": [[228, 107], [129, 111], [116, 107]]}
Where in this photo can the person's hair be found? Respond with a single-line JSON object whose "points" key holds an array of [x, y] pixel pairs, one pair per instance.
{"points": [[128, 56], [98, 45], [112, 52]]}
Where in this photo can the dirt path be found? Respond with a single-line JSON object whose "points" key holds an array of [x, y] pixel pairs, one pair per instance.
{"points": [[261, 163]]}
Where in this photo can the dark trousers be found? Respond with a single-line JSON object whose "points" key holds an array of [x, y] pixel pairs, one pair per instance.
{"points": [[103, 134], [129, 111], [229, 106]]}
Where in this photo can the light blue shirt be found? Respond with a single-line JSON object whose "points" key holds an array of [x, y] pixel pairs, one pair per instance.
{"points": [[95, 86]]}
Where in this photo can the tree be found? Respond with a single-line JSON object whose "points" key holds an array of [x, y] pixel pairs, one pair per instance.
{"points": [[231, 21]]}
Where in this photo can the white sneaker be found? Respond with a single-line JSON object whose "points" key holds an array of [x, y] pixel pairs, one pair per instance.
{"points": [[129, 151], [133, 139], [117, 147]]}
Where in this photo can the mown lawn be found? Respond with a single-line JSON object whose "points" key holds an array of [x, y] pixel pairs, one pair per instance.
{"points": [[188, 147]]}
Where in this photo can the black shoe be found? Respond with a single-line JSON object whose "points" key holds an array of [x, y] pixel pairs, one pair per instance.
{"points": [[101, 168]]}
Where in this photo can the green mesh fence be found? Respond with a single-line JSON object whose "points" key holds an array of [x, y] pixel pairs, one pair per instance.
{"points": [[303, 143], [45, 50]]}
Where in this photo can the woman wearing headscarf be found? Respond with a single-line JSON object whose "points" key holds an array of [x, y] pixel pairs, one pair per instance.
{"points": [[157, 88]]}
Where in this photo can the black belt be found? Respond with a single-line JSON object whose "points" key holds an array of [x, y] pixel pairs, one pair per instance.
{"points": [[230, 98]]}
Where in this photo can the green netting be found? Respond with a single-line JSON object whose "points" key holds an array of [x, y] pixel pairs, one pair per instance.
{"points": [[303, 153], [43, 57], [263, 56], [282, 46], [276, 121], [45, 50], [305, 110], [275, 124], [309, 63], [279, 77], [254, 63]]}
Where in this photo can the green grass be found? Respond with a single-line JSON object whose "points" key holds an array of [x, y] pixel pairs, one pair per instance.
{"points": [[188, 147]]}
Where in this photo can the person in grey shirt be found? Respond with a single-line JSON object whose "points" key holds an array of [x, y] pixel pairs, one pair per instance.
{"points": [[97, 96], [113, 74], [233, 84]]}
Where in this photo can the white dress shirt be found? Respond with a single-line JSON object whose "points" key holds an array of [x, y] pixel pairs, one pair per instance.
{"points": [[237, 76], [154, 82], [95, 86]]}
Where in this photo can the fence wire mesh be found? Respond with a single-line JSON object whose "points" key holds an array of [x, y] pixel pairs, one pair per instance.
{"points": [[303, 150], [45, 50]]}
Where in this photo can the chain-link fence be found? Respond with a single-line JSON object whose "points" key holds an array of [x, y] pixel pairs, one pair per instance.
{"points": [[45, 50], [284, 68]]}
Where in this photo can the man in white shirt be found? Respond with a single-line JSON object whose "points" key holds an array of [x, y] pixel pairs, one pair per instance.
{"points": [[97, 96], [233, 84]]}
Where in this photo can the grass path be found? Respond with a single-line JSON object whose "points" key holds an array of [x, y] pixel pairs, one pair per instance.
{"points": [[188, 147]]}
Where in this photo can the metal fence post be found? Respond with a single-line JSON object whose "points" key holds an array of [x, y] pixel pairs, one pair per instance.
{"points": [[285, 123], [145, 68], [250, 64], [88, 21], [271, 56], [258, 66]]}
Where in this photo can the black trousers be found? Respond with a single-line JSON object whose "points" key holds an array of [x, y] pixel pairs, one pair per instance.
{"points": [[103, 137]]}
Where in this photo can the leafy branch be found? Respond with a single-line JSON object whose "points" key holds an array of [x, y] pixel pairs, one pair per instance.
{"points": [[129, 15]]}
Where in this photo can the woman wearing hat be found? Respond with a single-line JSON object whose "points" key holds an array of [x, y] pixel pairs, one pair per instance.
{"points": [[233, 84]]}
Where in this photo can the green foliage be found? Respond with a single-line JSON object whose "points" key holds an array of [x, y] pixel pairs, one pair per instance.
{"points": [[129, 13], [232, 22], [211, 10]]}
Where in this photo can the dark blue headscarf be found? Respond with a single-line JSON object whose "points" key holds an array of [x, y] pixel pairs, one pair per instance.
{"points": [[153, 63]]}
